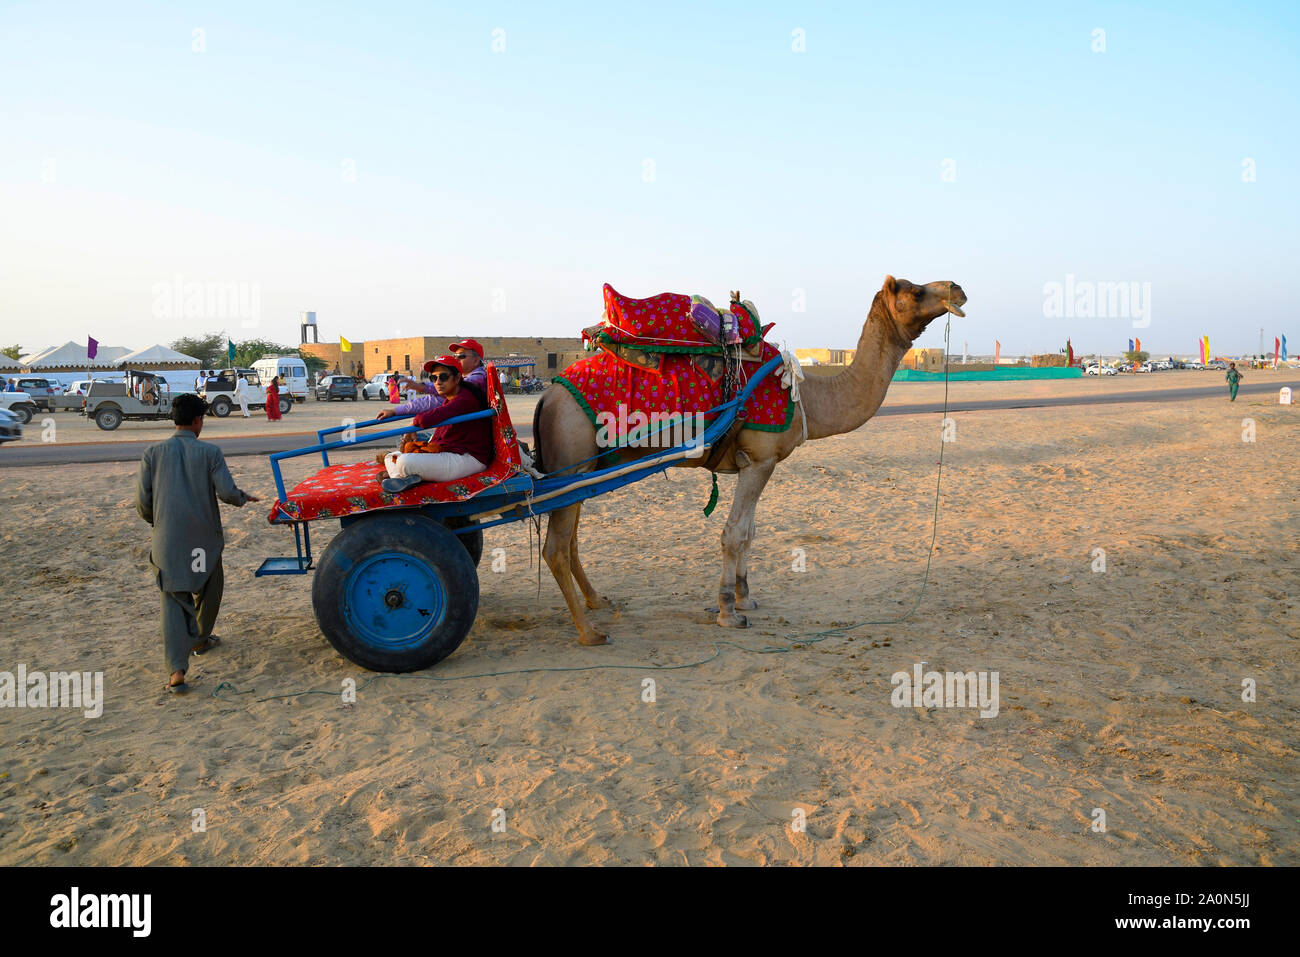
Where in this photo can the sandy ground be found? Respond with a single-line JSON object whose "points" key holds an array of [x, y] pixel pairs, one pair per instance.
{"points": [[1120, 690]]}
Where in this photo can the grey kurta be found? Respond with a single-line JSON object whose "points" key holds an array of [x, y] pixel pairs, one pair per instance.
{"points": [[177, 489]]}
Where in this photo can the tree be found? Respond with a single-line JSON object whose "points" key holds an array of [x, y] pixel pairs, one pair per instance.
{"points": [[1135, 356], [13, 352], [209, 349], [250, 350]]}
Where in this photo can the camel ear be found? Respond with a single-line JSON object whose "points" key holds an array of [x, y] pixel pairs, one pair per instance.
{"points": [[891, 285]]}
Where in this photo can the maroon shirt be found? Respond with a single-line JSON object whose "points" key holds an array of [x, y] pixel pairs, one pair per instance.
{"points": [[464, 438]]}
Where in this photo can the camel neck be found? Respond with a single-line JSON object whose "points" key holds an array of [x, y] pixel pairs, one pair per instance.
{"points": [[842, 403]]}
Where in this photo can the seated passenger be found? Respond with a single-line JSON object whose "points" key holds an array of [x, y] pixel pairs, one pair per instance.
{"points": [[474, 375], [462, 449]]}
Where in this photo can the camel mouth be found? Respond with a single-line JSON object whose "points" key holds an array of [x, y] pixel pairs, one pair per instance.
{"points": [[954, 308]]}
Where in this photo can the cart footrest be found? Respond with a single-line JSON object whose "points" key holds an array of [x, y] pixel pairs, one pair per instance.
{"points": [[284, 566]]}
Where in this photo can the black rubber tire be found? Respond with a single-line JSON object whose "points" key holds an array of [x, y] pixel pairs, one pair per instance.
{"points": [[285, 405], [24, 412], [473, 541], [221, 407], [423, 540], [108, 419], [365, 395]]}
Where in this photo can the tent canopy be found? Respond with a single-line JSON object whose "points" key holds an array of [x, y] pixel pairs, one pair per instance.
{"points": [[9, 365], [72, 355], [156, 354]]}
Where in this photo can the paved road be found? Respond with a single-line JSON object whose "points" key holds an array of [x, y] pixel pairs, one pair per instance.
{"points": [[54, 454]]}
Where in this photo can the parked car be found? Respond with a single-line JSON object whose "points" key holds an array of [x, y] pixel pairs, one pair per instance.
{"points": [[336, 387], [11, 426], [377, 387], [1099, 370], [40, 390], [20, 404], [109, 403], [219, 393], [1145, 367]]}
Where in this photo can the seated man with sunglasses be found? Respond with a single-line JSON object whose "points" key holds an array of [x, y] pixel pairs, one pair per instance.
{"points": [[461, 449], [473, 376]]}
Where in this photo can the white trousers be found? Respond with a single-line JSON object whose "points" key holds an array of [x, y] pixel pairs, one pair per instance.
{"points": [[243, 404], [432, 466]]}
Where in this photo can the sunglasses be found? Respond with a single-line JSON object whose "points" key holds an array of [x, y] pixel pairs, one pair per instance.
{"points": [[443, 376]]}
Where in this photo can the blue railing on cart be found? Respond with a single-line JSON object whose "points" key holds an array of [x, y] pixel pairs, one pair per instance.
{"points": [[723, 416], [324, 447]]}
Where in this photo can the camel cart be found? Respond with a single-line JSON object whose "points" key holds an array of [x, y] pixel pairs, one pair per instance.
{"points": [[397, 588]]}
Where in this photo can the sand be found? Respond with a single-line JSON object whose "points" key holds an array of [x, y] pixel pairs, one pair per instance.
{"points": [[1119, 690]]}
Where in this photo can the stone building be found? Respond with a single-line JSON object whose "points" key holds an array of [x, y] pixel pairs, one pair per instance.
{"points": [[408, 355]]}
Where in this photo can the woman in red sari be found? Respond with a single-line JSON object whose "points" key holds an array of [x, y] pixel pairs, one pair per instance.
{"points": [[273, 400]]}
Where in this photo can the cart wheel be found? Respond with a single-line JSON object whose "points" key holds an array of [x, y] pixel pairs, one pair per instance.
{"points": [[108, 419], [473, 541], [221, 408], [395, 593], [285, 405]]}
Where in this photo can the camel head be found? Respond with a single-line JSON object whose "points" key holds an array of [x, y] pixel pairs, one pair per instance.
{"points": [[914, 307]]}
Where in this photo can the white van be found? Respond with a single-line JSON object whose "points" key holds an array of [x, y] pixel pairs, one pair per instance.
{"points": [[292, 371]]}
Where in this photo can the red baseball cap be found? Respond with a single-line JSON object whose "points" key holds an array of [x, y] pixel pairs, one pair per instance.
{"points": [[470, 344], [451, 362]]}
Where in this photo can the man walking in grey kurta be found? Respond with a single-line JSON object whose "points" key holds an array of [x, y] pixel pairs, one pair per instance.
{"points": [[179, 483]]}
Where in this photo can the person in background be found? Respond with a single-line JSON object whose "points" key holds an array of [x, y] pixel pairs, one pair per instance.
{"points": [[393, 395], [11, 385], [177, 489], [1234, 378], [241, 394], [273, 399], [200, 380]]}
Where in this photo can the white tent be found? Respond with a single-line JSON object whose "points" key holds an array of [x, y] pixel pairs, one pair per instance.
{"points": [[155, 355], [9, 365], [72, 355]]}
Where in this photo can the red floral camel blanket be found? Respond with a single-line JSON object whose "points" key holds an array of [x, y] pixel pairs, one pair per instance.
{"points": [[663, 357]]}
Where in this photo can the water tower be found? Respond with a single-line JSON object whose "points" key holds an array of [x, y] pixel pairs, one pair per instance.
{"points": [[307, 320]]}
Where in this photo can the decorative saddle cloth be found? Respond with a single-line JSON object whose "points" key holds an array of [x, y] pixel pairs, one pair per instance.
{"points": [[338, 490], [665, 355]]}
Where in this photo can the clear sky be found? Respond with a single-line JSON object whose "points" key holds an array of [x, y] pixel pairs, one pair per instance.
{"points": [[384, 165]]}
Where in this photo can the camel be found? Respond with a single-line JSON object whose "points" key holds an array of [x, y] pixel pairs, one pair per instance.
{"points": [[833, 405]]}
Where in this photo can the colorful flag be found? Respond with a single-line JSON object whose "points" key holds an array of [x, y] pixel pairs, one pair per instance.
{"points": [[1277, 349], [230, 351], [997, 352], [92, 348], [1138, 347], [1130, 345], [344, 345], [1284, 348], [1069, 353], [1205, 350]]}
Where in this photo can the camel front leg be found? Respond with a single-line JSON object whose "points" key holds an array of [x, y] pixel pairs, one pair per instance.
{"points": [[736, 536], [558, 551]]}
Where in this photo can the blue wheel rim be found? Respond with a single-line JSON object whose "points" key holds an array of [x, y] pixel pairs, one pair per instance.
{"points": [[393, 601]]}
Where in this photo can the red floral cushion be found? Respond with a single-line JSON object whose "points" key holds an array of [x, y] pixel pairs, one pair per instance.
{"points": [[347, 489]]}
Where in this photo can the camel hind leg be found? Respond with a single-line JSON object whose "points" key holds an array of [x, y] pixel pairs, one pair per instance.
{"points": [[560, 553], [594, 598]]}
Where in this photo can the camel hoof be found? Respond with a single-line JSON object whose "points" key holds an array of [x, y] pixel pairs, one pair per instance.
{"points": [[599, 602], [746, 604], [595, 638], [733, 621]]}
